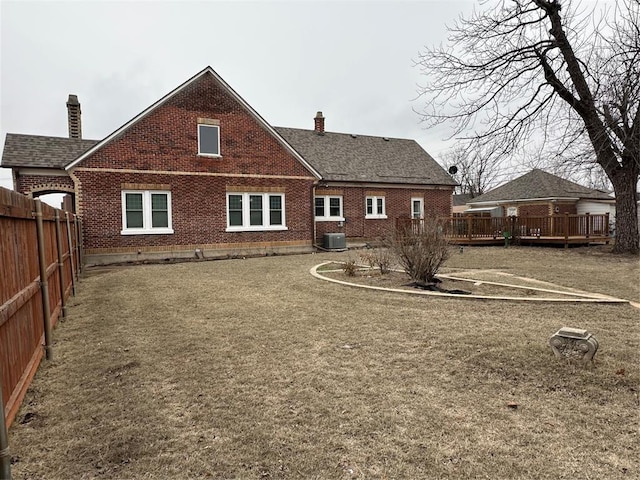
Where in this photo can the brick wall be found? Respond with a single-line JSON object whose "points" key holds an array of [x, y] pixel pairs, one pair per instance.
{"points": [[162, 148], [167, 138], [198, 206], [534, 210], [41, 184], [397, 204]]}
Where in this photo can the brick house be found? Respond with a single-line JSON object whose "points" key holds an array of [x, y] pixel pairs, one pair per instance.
{"points": [[200, 172], [539, 193]]}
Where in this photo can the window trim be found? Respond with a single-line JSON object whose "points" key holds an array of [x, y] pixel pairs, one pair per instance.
{"points": [[205, 154], [421, 200], [147, 214], [374, 199], [327, 209], [266, 213]]}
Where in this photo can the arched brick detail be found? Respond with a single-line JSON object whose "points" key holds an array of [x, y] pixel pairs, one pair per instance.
{"points": [[32, 185]]}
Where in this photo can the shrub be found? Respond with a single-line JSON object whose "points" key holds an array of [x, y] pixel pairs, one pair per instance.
{"points": [[350, 267], [421, 249], [380, 258]]}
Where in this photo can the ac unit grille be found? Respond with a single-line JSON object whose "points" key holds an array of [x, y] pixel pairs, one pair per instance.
{"points": [[334, 241]]}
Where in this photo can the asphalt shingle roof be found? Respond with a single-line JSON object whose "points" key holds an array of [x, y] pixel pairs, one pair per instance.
{"points": [[363, 158], [539, 184], [39, 151], [337, 156]]}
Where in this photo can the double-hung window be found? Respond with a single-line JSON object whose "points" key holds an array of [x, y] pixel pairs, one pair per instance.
{"points": [[375, 207], [209, 140], [146, 212], [328, 208], [255, 211]]}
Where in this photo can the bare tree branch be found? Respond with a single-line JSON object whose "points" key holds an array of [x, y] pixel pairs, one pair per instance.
{"points": [[538, 75]]}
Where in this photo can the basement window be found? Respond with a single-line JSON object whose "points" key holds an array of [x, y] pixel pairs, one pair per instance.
{"points": [[209, 140], [146, 212]]}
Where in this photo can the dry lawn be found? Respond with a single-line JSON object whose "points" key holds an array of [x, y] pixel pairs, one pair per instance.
{"points": [[255, 369]]}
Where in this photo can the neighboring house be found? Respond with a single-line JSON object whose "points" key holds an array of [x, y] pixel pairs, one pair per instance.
{"points": [[201, 172], [460, 201], [539, 193]]}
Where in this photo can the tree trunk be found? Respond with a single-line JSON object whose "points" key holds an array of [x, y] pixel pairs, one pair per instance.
{"points": [[624, 185]]}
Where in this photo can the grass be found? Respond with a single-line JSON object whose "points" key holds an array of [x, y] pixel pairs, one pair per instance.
{"points": [[254, 369]]}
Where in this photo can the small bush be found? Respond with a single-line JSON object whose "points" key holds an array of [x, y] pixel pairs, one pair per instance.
{"points": [[380, 258], [350, 267]]}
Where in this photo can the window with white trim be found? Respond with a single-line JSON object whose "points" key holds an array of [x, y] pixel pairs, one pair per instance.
{"points": [[146, 212], [328, 208], [255, 211], [375, 207], [209, 140]]}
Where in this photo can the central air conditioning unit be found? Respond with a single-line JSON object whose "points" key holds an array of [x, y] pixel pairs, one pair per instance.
{"points": [[334, 241]]}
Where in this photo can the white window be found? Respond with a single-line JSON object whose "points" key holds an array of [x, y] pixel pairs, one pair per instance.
{"points": [[255, 212], [145, 212], [375, 208], [209, 140], [417, 208], [328, 208]]}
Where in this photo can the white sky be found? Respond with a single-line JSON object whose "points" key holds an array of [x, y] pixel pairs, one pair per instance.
{"points": [[353, 60]]}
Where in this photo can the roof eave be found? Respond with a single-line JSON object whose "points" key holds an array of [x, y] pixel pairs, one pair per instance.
{"points": [[520, 200]]}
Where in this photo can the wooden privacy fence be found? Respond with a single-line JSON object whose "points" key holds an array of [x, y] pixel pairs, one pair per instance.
{"points": [[40, 259], [567, 228]]}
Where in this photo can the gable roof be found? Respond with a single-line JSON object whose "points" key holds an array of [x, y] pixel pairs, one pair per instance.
{"points": [[160, 102], [539, 184], [38, 151], [363, 158]]}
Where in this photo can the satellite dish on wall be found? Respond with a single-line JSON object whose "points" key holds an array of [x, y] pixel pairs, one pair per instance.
{"points": [[453, 169]]}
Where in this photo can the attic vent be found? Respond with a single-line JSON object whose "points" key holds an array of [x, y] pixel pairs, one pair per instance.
{"points": [[353, 135], [386, 139]]}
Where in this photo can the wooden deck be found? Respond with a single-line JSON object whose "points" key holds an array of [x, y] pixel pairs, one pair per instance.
{"points": [[564, 229]]}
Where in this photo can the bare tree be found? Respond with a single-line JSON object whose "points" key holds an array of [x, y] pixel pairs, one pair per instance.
{"points": [[542, 75], [477, 168]]}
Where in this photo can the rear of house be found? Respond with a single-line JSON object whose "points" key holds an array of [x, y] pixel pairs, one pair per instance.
{"points": [[200, 173], [369, 182]]}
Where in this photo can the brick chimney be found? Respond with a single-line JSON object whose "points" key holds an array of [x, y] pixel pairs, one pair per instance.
{"points": [[73, 116], [319, 123]]}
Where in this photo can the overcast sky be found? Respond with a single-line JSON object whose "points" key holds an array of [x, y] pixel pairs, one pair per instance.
{"points": [[353, 60]]}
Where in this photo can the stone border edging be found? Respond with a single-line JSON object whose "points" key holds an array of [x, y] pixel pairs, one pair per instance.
{"points": [[583, 298]]}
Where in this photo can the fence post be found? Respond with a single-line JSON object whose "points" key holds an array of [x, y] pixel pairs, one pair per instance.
{"points": [[588, 220], [77, 232], [80, 244], [73, 267], [566, 230], [60, 264], [44, 284], [469, 220], [5, 456], [606, 224]]}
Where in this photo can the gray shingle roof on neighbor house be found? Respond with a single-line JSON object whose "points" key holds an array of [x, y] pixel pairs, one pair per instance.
{"points": [[539, 184], [461, 199], [363, 158], [37, 151]]}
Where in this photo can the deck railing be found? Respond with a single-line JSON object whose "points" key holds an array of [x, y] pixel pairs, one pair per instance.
{"points": [[471, 228]]}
